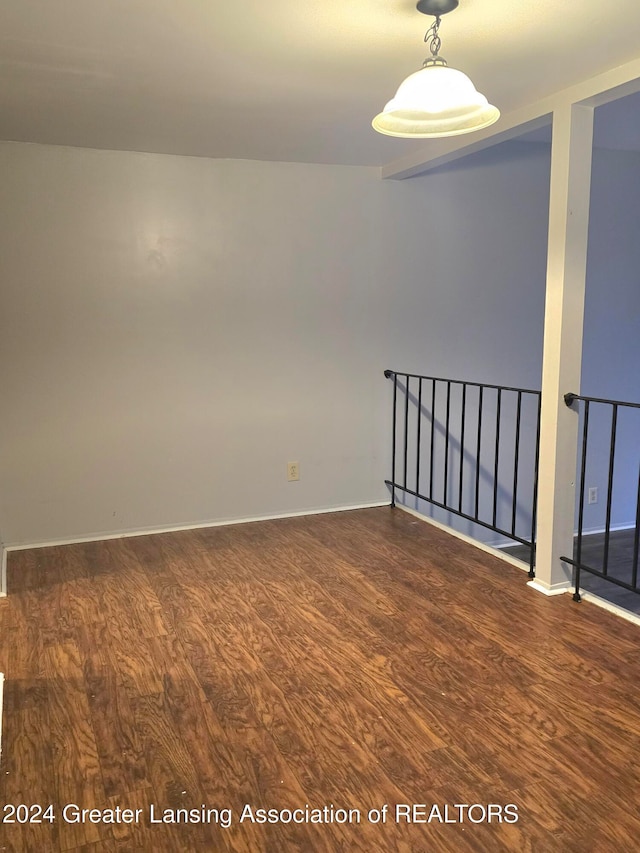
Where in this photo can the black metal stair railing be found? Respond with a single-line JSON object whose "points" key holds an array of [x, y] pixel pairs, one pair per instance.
{"points": [[626, 575], [468, 448]]}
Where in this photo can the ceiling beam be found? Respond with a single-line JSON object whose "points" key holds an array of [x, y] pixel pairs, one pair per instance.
{"points": [[606, 87]]}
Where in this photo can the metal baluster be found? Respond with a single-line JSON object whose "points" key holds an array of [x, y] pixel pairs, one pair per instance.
{"points": [[497, 456], [462, 424], [393, 440], [516, 461], [612, 451], [406, 429], [433, 419], [478, 447], [636, 538], [534, 510], [583, 469], [419, 433], [446, 445]]}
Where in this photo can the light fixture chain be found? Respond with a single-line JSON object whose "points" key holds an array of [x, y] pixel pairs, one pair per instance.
{"points": [[437, 100], [432, 38]]}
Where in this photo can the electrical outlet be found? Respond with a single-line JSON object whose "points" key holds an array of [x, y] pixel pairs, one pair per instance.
{"points": [[293, 471], [592, 496]]}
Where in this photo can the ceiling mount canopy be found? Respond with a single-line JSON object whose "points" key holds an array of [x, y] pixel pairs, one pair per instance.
{"points": [[437, 100], [436, 7]]}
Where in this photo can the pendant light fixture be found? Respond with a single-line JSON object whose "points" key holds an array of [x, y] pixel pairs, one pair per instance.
{"points": [[437, 100]]}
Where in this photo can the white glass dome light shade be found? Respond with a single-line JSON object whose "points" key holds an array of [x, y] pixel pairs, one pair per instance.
{"points": [[435, 101]]}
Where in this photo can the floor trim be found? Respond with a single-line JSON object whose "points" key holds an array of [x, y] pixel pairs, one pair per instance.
{"points": [[591, 531], [556, 589], [592, 598], [482, 546], [587, 531], [149, 531]]}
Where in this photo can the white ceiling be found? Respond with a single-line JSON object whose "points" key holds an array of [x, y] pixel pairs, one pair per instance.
{"points": [[279, 80]]}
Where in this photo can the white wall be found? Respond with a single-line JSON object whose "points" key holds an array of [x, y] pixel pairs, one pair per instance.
{"points": [[475, 309], [611, 350], [611, 344], [173, 330]]}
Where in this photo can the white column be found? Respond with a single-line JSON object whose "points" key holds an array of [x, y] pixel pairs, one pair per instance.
{"points": [[562, 356], [3, 572]]}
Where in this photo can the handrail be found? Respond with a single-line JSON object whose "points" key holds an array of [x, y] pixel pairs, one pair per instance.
{"points": [[570, 399], [389, 373]]}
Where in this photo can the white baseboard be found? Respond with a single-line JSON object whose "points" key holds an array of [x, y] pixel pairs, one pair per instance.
{"points": [[488, 549], [556, 589], [589, 531], [607, 605], [175, 528]]}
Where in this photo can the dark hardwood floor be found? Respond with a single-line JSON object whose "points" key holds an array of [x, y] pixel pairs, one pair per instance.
{"points": [[353, 659], [619, 566]]}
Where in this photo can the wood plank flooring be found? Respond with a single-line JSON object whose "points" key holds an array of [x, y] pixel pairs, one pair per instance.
{"points": [[619, 566], [350, 660]]}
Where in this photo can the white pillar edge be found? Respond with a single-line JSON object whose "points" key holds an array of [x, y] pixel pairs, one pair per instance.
{"points": [[570, 190], [3, 571]]}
